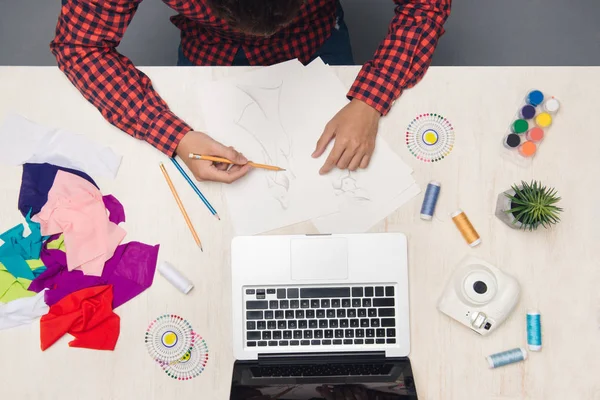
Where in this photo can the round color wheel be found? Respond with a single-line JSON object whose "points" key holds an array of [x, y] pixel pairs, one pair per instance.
{"points": [[168, 338], [430, 137]]}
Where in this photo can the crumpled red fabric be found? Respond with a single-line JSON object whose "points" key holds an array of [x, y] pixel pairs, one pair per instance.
{"points": [[87, 315]]}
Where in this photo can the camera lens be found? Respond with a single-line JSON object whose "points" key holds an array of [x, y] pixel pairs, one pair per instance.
{"points": [[480, 287]]}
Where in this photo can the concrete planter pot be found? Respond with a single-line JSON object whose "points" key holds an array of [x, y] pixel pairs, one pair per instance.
{"points": [[503, 204]]}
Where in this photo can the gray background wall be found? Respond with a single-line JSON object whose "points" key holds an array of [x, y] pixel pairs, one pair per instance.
{"points": [[479, 32]]}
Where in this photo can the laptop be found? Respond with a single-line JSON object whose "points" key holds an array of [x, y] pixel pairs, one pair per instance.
{"points": [[321, 317]]}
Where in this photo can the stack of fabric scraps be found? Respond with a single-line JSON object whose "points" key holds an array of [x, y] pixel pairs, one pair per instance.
{"points": [[72, 268]]}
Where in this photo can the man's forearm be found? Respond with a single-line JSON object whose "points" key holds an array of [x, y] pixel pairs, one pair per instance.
{"points": [[86, 37], [404, 55]]}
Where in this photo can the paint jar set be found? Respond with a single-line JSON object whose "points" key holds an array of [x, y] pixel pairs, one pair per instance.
{"points": [[531, 125]]}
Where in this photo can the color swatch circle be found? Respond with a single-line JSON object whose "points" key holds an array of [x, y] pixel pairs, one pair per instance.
{"points": [[543, 120], [552, 105], [535, 134], [527, 149], [430, 137], [528, 112], [520, 126], [512, 141], [168, 338], [535, 98]]}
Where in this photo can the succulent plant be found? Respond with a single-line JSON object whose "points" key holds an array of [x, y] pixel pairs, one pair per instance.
{"points": [[534, 204]]}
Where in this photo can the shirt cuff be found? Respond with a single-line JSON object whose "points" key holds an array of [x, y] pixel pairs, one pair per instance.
{"points": [[377, 91], [166, 131]]}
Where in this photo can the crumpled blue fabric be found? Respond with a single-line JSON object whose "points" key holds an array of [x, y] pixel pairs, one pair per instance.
{"points": [[36, 182], [16, 249]]}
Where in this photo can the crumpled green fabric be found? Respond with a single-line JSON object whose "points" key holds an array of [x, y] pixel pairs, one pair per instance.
{"points": [[12, 288], [16, 249]]}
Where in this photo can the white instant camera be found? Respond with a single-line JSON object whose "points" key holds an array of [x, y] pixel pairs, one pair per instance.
{"points": [[479, 295]]}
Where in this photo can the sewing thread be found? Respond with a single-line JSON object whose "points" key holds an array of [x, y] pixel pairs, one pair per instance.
{"points": [[176, 278], [507, 357], [430, 200], [534, 330], [466, 228]]}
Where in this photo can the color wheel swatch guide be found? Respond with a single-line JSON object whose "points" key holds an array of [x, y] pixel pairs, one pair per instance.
{"points": [[176, 348], [430, 137]]}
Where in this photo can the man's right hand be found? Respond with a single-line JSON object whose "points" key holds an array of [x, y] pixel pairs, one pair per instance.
{"points": [[203, 170]]}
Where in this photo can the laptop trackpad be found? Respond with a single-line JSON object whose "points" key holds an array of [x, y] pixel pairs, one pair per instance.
{"points": [[319, 258]]}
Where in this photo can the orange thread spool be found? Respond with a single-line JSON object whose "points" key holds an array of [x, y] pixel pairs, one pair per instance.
{"points": [[466, 228]]}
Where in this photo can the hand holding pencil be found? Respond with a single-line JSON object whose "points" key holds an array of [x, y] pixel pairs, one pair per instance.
{"points": [[199, 142]]}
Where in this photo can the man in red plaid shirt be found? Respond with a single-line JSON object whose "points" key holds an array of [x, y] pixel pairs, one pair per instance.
{"points": [[245, 32]]}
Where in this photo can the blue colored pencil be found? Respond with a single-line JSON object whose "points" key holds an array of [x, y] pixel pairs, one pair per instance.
{"points": [[198, 192]]}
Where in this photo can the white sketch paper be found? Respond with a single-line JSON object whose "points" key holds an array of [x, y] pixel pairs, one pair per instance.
{"points": [[275, 116], [264, 115], [371, 195], [23, 141], [365, 196]]}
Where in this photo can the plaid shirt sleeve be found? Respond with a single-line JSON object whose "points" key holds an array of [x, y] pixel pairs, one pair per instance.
{"points": [[87, 34], [404, 55]]}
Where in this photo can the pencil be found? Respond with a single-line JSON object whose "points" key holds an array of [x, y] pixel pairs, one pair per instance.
{"points": [[180, 204], [224, 160], [198, 192]]}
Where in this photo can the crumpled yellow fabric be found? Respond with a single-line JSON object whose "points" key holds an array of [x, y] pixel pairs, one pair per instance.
{"points": [[12, 288]]}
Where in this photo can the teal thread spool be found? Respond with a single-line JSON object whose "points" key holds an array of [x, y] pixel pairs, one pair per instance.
{"points": [[507, 357], [534, 330]]}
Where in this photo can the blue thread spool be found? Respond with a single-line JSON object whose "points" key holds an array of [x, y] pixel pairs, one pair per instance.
{"points": [[430, 200], [534, 330], [507, 357]]}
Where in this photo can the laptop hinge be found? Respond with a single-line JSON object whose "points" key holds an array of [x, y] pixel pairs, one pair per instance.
{"points": [[342, 358]]}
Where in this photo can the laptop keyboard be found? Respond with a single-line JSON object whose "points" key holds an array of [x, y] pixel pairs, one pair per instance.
{"points": [[321, 370], [319, 316]]}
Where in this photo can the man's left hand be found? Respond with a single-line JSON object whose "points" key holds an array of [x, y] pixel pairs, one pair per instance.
{"points": [[354, 128]]}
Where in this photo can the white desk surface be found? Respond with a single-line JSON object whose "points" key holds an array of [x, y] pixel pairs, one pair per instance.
{"points": [[558, 269]]}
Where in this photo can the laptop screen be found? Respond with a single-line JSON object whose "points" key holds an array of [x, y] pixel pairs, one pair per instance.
{"points": [[388, 380]]}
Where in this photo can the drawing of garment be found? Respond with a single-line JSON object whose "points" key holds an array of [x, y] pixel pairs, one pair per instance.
{"points": [[345, 184], [261, 116]]}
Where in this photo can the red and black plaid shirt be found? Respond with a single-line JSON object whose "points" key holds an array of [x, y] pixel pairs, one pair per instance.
{"points": [[88, 32]]}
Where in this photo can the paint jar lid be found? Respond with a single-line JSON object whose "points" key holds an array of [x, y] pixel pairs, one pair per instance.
{"points": [[552, 105], [520, 126], [527, 149], [536, 134], [528, 111], [513, 140], [535, 97], [543, 120]]}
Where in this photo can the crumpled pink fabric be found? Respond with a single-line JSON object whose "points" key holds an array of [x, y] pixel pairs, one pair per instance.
{"points": [[75, 208]]}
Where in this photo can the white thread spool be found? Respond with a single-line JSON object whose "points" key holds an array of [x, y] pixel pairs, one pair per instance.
{"points": [[176, 278]]}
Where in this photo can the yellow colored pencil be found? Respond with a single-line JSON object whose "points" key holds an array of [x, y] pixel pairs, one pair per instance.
{"points": [[181, 207], [224, 160]]}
